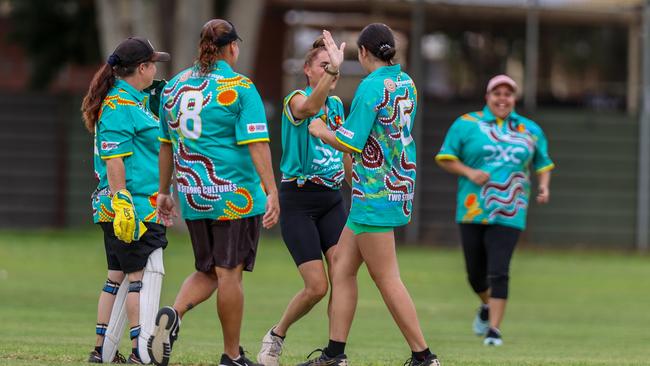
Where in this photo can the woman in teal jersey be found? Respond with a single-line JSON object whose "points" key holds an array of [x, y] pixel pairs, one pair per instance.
{"points": [[313, 212], [492, 151], [377, 133], [214, 134], [116, 110]]}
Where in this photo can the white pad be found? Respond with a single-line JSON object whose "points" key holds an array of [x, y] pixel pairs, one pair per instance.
{"points": [[149, 303], [150, 300], [116, 325]]}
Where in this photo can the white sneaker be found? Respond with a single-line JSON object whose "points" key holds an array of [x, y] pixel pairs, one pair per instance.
{"points": [[271, 350], [480, 326]]}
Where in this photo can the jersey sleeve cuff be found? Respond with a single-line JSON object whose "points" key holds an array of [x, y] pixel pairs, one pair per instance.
{"points": [[107, 157], [287, 108], [545, 168], [348, 145], [161, 139], [441, 157], [246, 142]]}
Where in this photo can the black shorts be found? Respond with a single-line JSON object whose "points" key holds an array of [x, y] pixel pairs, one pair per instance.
{"points": [[312, 218], [132, 257], [224, 244]]}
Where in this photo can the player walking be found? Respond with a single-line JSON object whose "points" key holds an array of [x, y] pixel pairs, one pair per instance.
{"points": [[116, 110], [214, 133]]}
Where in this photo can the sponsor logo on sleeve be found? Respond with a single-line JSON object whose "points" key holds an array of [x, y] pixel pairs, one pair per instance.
{"points": [[345, 132], [109, 145], [256, 127]]}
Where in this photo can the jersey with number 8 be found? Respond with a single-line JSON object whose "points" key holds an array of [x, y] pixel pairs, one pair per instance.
{"points": [[209, 120], [378, 129]]}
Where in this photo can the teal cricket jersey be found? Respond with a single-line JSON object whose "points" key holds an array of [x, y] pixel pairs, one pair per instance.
{"points": [[304, 157], [210, 119], [378, 129], [126, 128], [505, 149]]}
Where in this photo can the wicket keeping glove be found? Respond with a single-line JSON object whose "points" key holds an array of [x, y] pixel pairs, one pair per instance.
{"points": [[126, 225]]}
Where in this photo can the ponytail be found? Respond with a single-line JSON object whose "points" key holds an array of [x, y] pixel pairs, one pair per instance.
{"points": [[216, 35], [208, 55], [102, 82]]}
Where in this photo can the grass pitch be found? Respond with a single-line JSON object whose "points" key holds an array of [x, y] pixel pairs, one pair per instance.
{"points": [[567, 308]]}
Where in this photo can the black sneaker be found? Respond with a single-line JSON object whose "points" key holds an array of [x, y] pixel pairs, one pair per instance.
{"points": [[134, 359], [96, 357], [493, 338], [325, 360], [118, 358], [241, 361], [161, 341], [430, 360]]}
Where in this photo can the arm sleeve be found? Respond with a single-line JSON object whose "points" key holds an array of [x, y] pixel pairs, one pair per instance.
{"points": [[451, 148], [356, 129], [541, 161], [115, 133], [251, 125], [286, 108]]}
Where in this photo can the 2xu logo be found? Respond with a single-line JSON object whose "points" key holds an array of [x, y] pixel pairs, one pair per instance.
{"points": [[506, 154]]}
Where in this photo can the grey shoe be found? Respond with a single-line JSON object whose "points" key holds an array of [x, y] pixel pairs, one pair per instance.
{"points": [[271, 350]]}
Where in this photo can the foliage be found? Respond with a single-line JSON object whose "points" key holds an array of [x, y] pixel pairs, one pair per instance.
{"points": [[54, 33]]}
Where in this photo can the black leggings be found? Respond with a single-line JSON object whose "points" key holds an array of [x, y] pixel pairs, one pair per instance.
{"points": [[488, 250], [312, 218]]}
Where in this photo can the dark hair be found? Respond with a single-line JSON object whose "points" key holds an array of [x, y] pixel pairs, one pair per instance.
{"points": [[316, 47], [378, 39], [215, 35], [102, 82]]}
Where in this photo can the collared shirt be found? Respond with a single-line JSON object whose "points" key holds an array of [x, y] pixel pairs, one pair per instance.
{"points": [[305, 157], [378, 130], [505, 149], [127, 129], [210, 119]]}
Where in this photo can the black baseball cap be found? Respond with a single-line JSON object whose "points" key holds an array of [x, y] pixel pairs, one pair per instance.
{"points": [[136, 50]]}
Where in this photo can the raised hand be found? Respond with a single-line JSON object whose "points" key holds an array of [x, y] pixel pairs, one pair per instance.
{"points": [[335, 53]]}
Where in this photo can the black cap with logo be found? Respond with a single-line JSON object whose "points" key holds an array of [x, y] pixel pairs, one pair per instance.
{"points": [[136, 50]]}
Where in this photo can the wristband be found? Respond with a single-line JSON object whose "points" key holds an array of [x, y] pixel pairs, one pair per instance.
{"points": [[327, 70]]}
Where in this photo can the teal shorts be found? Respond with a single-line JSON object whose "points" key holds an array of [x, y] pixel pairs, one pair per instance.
{"points": [[361, 228]]}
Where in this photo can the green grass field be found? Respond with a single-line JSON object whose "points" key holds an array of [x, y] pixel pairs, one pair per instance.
{"points": [[567, 308]]}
